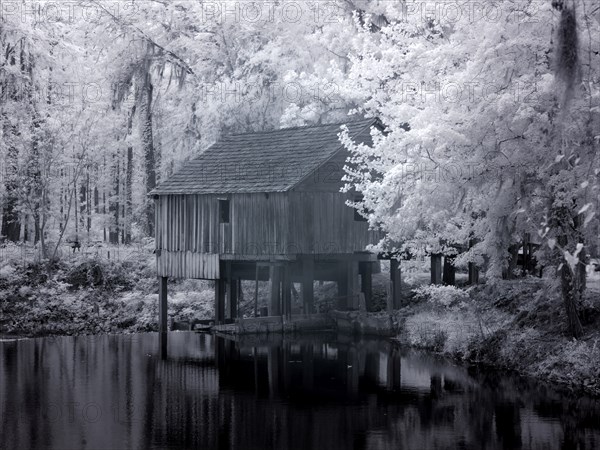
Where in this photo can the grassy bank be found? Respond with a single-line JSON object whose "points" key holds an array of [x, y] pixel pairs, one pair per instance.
{"points": [[86, 295], [516, 325]]}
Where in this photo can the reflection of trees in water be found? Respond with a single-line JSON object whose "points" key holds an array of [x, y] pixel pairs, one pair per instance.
{"points": [[273, 394]]}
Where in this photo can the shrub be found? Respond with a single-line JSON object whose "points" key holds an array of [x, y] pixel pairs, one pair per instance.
{"points": [[442, 295], [429, 338]]}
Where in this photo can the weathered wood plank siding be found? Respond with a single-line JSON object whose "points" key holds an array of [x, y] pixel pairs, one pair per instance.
{"points": [[321, 223], [190, 237], [259, 224], [186, 241], [190, 224], [188, 264]]}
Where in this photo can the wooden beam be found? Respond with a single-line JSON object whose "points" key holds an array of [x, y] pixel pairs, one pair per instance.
{"points": [[286, 294], [395, 281], [220, 300], [339, 257], [275, 304], [436, 268], [240, 257], [473, 273], [366, 285], [308, 276], [449, 273], [162, 304], [232, 298]]}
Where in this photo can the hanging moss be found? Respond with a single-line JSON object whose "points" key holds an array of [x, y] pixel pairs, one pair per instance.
{"points": [[567, 56]]}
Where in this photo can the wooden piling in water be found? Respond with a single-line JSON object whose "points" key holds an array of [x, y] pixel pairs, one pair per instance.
{"points": [[275, 278], [308, 276], [162, 305]]}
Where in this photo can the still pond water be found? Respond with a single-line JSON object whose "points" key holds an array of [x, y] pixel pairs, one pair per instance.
{"points": [[326, 392]]}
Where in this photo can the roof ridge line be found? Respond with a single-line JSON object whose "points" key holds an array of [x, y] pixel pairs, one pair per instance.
{"points": [[300, 127]]}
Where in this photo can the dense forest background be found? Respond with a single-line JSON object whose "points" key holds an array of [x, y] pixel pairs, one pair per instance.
{"points": [[492, 115], [101, 100]]}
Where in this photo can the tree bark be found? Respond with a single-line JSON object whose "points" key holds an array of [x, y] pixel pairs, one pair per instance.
{"points": [[113, 205], [129, 183], [568, 278], [11, 224], [570, 295], [148, 147]]}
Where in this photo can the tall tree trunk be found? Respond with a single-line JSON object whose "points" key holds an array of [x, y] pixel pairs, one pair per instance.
{"points": [[88, 203], [11, 224], [148, 147], [129, 183], [33, 167], [82, 205], [570, 295], [104, 213], [62, 201], [96, 200], [113, 205], [129, 195], [568, 278]]}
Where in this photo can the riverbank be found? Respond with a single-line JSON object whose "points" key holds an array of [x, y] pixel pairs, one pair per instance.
{"points": [[86, 295], [515, 325]]}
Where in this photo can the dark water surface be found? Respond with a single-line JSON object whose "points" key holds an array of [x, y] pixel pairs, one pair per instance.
{"points": [[327, 392]]}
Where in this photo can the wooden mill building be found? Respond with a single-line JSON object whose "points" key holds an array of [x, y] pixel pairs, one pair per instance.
{"points": [[267, 206]]}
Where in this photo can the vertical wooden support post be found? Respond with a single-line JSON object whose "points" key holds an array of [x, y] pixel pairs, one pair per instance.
{"points": [[220, 294], [352, 282], [366, 285], [275, 306], [449, 275], [240, 292], [308, 277], [395, 279], [436, 268], [473, 273], [232, 298], [162, 316], [162, 305], [286, 287], [219, 301]]}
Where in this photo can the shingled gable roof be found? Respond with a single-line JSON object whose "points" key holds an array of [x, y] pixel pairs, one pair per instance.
{"points": [[269, 161]]}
